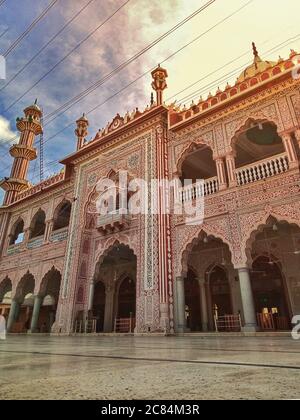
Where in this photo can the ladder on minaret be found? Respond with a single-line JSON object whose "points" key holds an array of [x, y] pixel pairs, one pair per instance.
{"points": [[41, 144]]}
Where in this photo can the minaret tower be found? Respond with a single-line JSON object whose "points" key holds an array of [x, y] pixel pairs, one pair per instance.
{"points": [[23, 152], [159, 83], [81, 131]]}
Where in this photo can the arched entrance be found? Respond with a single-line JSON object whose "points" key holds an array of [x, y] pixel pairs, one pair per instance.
{"points": [[220, 291], [5, 297], [98, 310], [126, 299], [275, 257], [205, 291], [269, 294], [47, 301], [23, 305], [114, 299], [192, 302]]}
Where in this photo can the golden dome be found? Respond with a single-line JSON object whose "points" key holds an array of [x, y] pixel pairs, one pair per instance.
{"points": [[257, 67]]}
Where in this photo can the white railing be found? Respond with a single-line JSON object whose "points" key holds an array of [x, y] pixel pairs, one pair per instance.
{"points": [[263, 169], [193, 191]]}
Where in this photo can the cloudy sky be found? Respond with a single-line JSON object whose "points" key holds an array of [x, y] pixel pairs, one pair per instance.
{"points": [[220, 45]]}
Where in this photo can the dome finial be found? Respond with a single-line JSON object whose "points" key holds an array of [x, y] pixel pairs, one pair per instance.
{"points": [[255, 52]]}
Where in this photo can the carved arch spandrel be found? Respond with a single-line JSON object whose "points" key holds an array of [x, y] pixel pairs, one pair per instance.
{"points": [[187, 236], [234, 127], [253, 223]]}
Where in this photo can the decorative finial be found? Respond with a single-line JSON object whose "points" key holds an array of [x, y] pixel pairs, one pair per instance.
{"points": [[255, 52], [35, 102]]}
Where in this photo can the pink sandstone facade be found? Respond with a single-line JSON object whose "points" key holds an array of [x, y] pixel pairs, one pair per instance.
{"points": [[63, 269]]}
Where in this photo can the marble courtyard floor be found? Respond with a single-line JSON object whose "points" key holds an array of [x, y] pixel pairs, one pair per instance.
{"points": [[40, 367]]}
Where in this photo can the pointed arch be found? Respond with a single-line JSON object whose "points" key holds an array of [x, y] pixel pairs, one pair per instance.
{"points": [[5, 287], [17, 232], [263, 221], [193, 240], [62, 214], [188, 150], [38, 224]]}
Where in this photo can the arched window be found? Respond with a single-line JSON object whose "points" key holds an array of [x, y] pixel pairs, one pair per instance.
{"points": [[38, 225], [17, 234], [197, 164], [258, 141], [62, 216]]}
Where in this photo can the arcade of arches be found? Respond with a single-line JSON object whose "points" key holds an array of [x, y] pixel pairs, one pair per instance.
{"points": [[262, 294], [112, 300], [28, 312]]}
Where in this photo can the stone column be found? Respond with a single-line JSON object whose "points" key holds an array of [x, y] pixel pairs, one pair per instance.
{"points": [[26, 237], [203, 304], [108, 311], [91, 295], [230, 164], [12, 314], [221, 173], [48, 230], [247, 300], [290, 150], [38, 300], [180, 304]]}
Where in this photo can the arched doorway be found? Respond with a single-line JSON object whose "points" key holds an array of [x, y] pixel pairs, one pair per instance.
{"points": [[269, 294], [49, 295], [25, 299], [115, 290], [220, 292], [126, 299], [192, 302], [275, 256], [99, 306], [5, 297], [206, 290]]}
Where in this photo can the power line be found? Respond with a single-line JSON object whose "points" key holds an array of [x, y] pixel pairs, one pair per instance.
{"points": [[277, 47], [123, 65], [2, 2], [62, 109], [66, 56], [30, 27], [147, 72], [295, 38], [225, 77], [47, 44], [4, 32]]}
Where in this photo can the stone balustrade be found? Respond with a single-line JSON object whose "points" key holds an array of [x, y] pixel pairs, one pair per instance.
{"points": [[263, 169], [197, 190]]}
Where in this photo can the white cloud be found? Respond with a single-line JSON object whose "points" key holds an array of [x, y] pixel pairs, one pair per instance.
{"points": [[6, 132]]}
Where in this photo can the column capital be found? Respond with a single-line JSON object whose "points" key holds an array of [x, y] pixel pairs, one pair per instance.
{"points": [[201, 280], [230, 155], [297, 135]]}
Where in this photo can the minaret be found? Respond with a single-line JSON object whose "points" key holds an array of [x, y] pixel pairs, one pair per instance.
{"points": [[81, 131], [23, 152], [159, 83]]}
